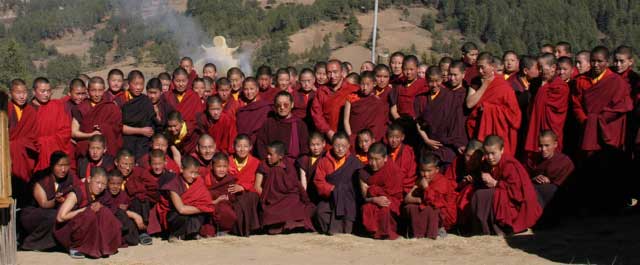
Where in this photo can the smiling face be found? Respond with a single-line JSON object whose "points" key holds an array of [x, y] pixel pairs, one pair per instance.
{"points": [[340, 147], [187, 65], [115, 185], [250, 91], [174, 127], [334, 71], [157, 164], [206, 148], [115, 82], [283, 106], [96, 92], [376, 161], [19, 95], [160, 143], [622, 62], [125, 164], [264, 82], [190, 174], [564, 70], [210, 72], [548, 70], [242, 148], [283, 81], [78, 94], [321, 76], [434, 82], [364, 142]]}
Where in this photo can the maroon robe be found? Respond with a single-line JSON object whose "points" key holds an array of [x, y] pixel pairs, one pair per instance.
{"points": [[443, 122], [247, 175], [171, 165], [85, 166], [302, 103], [283, 199], [403, 96], [602, 109], [437, 210], [557, 168], [95, 234], [368, 113], [470, 73], [231, 106], [161, 111], [548, 112], [108, 117], [269, 94], [22, 141], [239, 214], [190, 105], [291, 131], [380, 221], [404, 157], [223, 130], [251, 117], [188, 144], [130, 235], [327, 105], [53, 133], [141, 185]]}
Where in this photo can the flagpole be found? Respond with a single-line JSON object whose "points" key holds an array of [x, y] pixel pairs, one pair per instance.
{"points": [[375, 32]]}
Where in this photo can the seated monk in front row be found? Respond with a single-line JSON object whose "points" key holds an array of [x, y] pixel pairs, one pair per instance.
{"points": [[83, 225]]}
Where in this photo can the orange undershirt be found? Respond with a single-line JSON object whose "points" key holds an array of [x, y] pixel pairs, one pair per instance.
{"points": [[597, 79], [18, 112], [394, 154]]}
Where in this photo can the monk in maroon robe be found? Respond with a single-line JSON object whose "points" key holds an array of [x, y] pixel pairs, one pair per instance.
{"points": [[115, 80], [182, 98], [96, 157], [403, 94], [242, 164], [285, 205], [49, 189], [253, 114], [334, 181], [22, 134], [159, 142], [525, 84], [458, 88], [328, 103], [204, 152], [623, 62], [117, 200], [283, 127], [494, 108], [550, 105], [183, 134], [229, 104], [396, 61], [403, 155], [53, 125], [366, 111], [236, 208], [469, 57], [220, 125], [137, 116], [185, 209], [548, 168], [382, 190], [509, 204], [161, 108], [97, 116], [77, 94], [431, 204], [308, 164], [441, 123], [83, 225], [265, 83]]}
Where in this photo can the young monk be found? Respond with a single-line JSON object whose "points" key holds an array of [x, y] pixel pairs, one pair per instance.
{"points": [[383, 87], [186, 63], [494, 107], [49, 189], [366, 111], [22, 135], [367, 66], [211, 71], [185, 209], [511, 63], [138, 114], [440, 124], [330, 99], [402, 96], [431, 203], [547, 48], [284, 127], [444, 64], [242, 164], [76, 95], [183, 134], [307, 164], [562, 49], [283, 80], [236, 210], [160, 142], [334, 182], [396, 61], [550, 105], [285, 205], [229, 104], [236, 80], [509, 203], [264, 75], [382, 190], [209, 85], [364, 140], [182, 98], [252, 116], [565, 69], [140, 185], [549, 168], [583, 62], [97, 116], [320, 74], [165, 78], [96, 157], [305, 96], [205, 149], [53, 131], [422, 70], [199, 87], [160, 106], [83, 225], [115, 80], [219, 124], [402, 155], [465, 171], [623, 65], [470, 55], [524, 82], [116, 200], [457, 87], [157, 162]]}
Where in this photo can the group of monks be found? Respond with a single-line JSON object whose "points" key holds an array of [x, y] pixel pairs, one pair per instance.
{"points": [[478, 145]]}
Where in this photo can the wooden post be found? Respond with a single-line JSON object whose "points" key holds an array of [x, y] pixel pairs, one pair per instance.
{"points": [[8, 238]]}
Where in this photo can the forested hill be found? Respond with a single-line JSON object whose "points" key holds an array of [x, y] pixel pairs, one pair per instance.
{"points": [[116, 35]]}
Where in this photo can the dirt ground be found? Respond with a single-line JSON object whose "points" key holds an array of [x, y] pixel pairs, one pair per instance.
{"points": [[601, 240]]}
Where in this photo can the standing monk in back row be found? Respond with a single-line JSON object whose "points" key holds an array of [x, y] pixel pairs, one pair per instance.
{"points": [[494, 108]]}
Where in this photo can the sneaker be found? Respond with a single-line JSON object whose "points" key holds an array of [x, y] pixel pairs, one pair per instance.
{"points": [[76, 254], [145, 239], [442, 233]]}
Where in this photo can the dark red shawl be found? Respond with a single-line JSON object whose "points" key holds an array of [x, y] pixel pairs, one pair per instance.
{"points": [[557, 168], [105, 114], [368, 113], [53, 132], [283, 198], [223, 130], [403, 96], [291, 131], [548, 112], [22, 141], [190, 105], [251, 117]]}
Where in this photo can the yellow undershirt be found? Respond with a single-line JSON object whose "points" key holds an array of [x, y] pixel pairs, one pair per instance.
{"points": [[240, 165], [183, 133], [313, 160], [435, 95], [180, 97], [597, 79], [18, 112]]}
